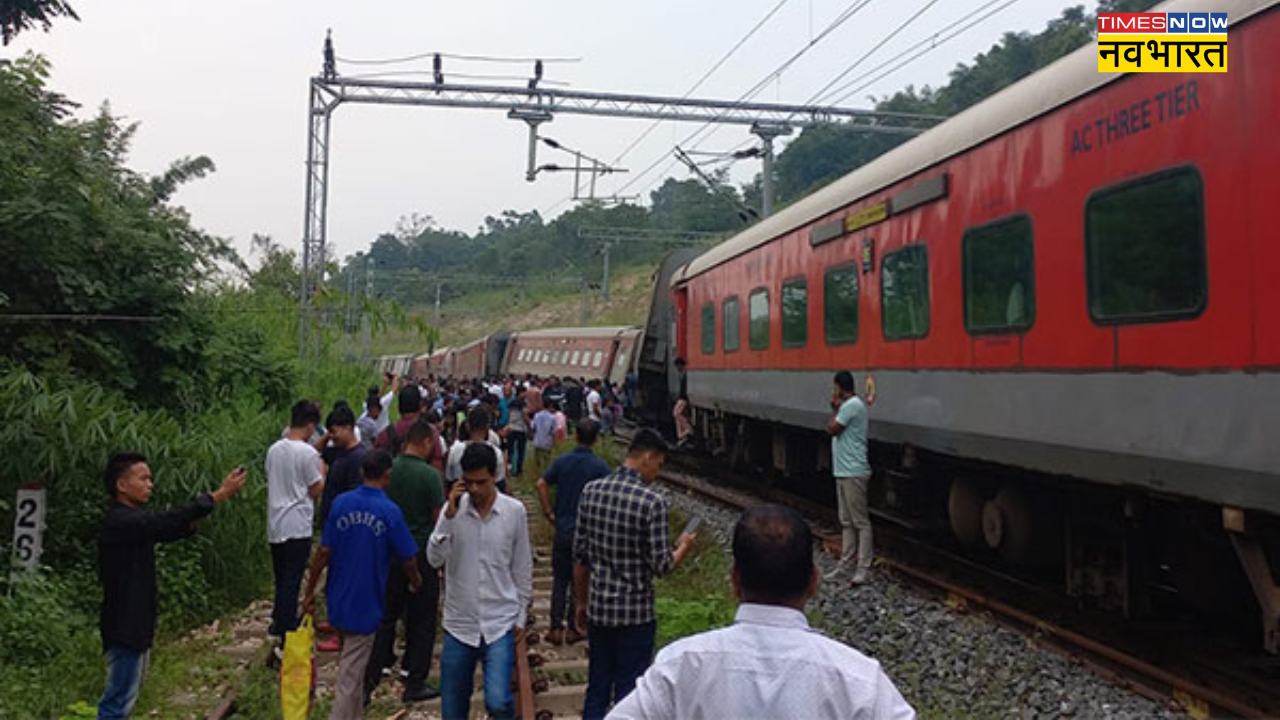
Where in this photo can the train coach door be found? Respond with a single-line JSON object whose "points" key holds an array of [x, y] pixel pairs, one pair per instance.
{"points": [[679, 323]]}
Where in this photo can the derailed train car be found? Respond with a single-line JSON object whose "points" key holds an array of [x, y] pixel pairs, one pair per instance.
{"points": [[599, 353]]}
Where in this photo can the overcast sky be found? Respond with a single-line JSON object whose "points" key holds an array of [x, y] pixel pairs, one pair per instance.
{"points": [[228, 79]]}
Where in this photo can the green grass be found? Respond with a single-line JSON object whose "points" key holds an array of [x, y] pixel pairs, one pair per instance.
{"points": [[259, 695], [189, 677], [697, 595]]}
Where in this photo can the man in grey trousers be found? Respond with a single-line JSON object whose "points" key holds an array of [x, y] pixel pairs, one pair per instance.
{"points": [[848, 430]]}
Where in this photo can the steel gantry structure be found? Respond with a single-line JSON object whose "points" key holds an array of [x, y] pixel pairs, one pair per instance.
{"points": [[537, 105]]}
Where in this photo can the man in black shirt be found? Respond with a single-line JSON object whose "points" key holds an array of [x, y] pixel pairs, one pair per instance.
{"points": [[127, 566], [572, 401], [343, 456]]}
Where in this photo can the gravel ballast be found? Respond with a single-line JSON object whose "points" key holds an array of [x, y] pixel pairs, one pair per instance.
{"points": [[947, 662]]}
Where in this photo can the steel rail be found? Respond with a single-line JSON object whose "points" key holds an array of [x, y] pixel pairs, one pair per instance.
{"points": [[1119, 666]]}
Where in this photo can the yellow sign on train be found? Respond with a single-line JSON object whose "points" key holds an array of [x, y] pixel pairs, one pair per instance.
{"points": [[866, 217]]}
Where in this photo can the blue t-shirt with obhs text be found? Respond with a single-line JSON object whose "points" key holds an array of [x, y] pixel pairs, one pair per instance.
{"points": [[365, 528]]}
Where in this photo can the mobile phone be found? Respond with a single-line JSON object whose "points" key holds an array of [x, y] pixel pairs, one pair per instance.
{"points": [[241, 468], [692, 527]]}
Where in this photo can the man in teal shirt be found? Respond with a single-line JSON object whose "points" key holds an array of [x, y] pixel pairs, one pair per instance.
{"points": [[416, 488], [848, 430]]}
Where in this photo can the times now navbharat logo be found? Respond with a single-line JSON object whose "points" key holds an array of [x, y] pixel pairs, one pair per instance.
{"points": [[1162, 42]]}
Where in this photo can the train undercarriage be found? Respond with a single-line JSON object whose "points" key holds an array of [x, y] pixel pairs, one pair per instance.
{"points": [[1127, 550]]}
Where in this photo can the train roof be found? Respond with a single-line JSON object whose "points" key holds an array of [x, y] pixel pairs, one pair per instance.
{"points": [[1041, 92], [577, 332]]}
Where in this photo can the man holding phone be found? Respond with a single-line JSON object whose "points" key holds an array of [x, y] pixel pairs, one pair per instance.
{"points": [[482, 540], [619, 546], [127, 566], [848, 430]]}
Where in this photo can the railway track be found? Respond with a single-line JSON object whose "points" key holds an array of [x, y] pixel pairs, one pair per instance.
{"points": [[1153, 662]]}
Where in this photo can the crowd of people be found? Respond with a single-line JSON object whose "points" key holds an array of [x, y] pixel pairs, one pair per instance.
{"points": [[410, 510]]}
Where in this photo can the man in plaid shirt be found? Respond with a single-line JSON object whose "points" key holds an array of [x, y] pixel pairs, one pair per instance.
{"points": [[619, 546]]}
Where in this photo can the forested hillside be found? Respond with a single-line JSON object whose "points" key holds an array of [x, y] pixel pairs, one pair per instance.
{"points": [[526, 245]]}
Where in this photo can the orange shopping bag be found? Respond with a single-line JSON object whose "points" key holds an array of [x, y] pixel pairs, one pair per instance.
{"points": [[297, 671]]}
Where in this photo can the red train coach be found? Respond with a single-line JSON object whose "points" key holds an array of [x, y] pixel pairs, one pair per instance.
{"points": [[592, 353], [1072, 279]]}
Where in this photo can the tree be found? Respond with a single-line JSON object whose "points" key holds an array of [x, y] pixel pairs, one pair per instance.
{"points": [[86, 237], [21, 15], [278, 271]]}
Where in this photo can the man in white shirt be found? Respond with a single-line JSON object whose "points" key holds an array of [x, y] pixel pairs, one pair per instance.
{"points": [[482, 540], [478, 421], [377, 414], [595, 406], [769, 663], [294, 481]]}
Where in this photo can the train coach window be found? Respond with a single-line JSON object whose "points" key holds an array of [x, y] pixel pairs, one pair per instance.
{"points": [[577, 355], [758, 309], [795, 313], [904, 293], [1144, 245], [999, 276], [731, 320], [708, 328], [598, 359], [840, 304]]}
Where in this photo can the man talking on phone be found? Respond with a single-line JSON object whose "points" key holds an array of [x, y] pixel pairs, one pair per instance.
{"points": [[482, 540]]}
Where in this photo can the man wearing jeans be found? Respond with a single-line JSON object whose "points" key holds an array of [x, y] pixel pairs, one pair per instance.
{"points": [[570, 473], [127, 565], [482, 540], [848, 430], [619, 546], [294, 482]]}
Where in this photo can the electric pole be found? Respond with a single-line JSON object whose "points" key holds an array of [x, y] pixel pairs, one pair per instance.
{"points": [[767, 132], [604, 283], [366, 321]]}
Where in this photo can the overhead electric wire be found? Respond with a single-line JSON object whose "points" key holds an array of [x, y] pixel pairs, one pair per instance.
{"points": [[933, 42], [464, 76], [455, 56], [905, 24], [705, 76], [849, 11], [89, 317]]}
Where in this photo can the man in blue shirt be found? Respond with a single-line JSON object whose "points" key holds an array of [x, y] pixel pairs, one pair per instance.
{"points": [[364, 528], [848, 430], [544, 437], [569, 473]]}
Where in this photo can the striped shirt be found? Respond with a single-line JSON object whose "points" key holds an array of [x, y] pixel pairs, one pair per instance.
{"points": [[622, 537]]}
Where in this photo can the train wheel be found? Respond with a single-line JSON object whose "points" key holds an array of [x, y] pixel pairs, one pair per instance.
{"points": [[1012, 525], [964, 507]]}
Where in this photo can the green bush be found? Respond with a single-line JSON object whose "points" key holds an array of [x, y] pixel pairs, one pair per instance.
{"points": [[50, 656]]}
